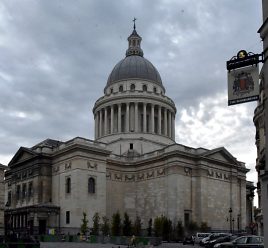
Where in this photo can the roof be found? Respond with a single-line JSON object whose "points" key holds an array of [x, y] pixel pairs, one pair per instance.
{"points": [[134, 67]]}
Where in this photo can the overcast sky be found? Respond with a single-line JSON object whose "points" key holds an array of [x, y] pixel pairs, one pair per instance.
{"points": [[56, 56]]}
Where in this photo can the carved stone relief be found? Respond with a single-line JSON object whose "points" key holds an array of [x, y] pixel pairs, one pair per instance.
{"points": [[210, 173], [92, 166], [135, 177], [150, 174], [118, 177], [160, 172], [140, 176], [188, 171], [108, 175], [68, 165], [217, 174], [129, 178]]}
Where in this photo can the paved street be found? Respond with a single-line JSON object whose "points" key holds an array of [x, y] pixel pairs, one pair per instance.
{"points": [[87, 245]]}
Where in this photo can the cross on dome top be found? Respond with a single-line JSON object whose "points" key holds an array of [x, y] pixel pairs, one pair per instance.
{"points": [[134, 27]]}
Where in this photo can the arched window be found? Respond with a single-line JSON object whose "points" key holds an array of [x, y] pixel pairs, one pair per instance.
{"points": [[68, 185], [144, 87], [132, 87], [121, 88], [91, 185]]}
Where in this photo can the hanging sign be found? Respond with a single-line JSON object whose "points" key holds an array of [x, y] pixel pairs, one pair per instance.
{"points": [[243, 85]]}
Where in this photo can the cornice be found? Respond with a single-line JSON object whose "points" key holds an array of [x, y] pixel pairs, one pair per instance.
{"points": [[263, 30], [76, 146]]}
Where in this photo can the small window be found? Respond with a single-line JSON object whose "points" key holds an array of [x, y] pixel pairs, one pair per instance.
{"points": [[121, 88], [68, 185], [155, 90], [144, 87], [9, 198], [131, 146], [112, 90], [187, 217], [132, 87], [30, 189], [91, 185], [67, 217], [24, 191], [18, 192]]}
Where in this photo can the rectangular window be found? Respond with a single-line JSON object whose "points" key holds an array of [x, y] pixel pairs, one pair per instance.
{"points": [[68, 185], [91, 185], [131, 146], [18, 192], [9, 198], [187, 217], [24, 192], [30, 189], [67, 217]]}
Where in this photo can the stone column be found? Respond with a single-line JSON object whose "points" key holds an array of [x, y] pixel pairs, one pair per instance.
{"points": [[169, 124], [152, 118], [96, 125], [127, 117], [136, 118], [105, 121], [100, 125], [159, 120], [173, 126], [14, 221], [165, 122], [144, 118], [119, 118], [21, 220], [112, 119]]}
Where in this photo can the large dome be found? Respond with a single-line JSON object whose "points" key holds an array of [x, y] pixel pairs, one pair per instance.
{"points": [[134, 67]]}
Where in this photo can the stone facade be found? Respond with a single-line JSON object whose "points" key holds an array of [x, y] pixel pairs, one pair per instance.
{"points": [[261, 123], [134, 165]]}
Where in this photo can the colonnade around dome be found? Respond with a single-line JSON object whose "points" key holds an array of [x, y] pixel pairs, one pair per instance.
{"points": [[134, 117]]}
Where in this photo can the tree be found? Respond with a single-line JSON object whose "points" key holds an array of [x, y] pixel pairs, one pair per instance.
{"points": [[84, 225], [166, 229], [116, 224], [127, 225], [105, 227], [149, 229], [179, 230], [162, 227], [137, 226], [204, 227], [96, 224], [158, 226], [192, 227]]}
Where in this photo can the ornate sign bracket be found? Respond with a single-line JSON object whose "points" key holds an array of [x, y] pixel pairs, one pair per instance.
{"points": [[244, 58]]}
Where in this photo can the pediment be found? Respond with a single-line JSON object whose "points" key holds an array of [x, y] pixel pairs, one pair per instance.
{"points": [[22, 155], [220, 154]]}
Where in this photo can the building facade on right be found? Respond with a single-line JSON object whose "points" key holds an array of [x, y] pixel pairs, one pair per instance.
{"points": [[260, 121]]}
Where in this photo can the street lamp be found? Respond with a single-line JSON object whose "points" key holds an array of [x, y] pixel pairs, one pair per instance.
{"points": [[230, 212]]}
